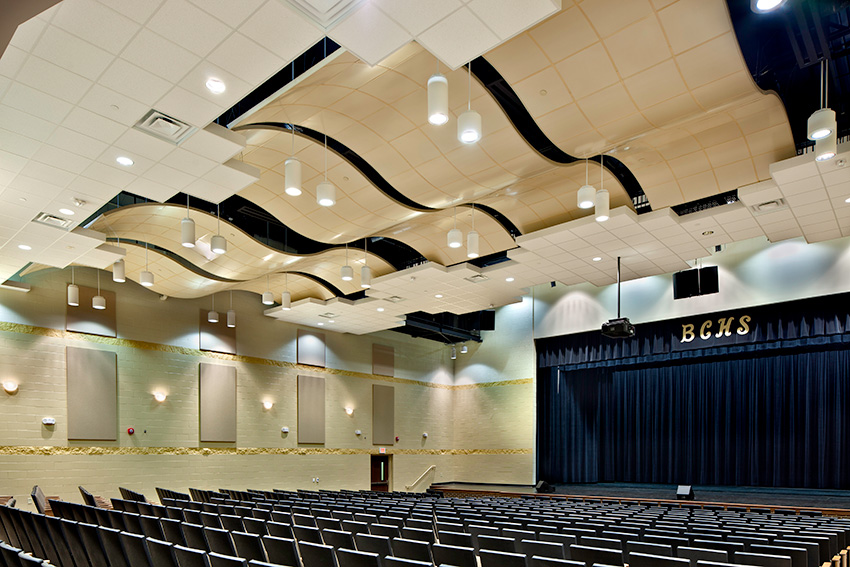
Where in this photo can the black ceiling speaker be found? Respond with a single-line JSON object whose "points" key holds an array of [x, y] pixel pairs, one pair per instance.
{"points": [[691, 283], [685, 492], [621, 327]]}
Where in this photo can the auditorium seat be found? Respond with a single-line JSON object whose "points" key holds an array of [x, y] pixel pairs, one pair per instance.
{"points": [[592, 555], [221, 560], [607, 543], [151, 527], [248, 546], [338, 538], [353, 558], [538, 561], [400, 562], [316, 555], [9, 554], [563, 539], [280, 550], [28, 560], [812, 549], [542, 549], [355, 527], [647, 560], [231, 523], [455, 556], [694, 554], [496, 543], [161, 553], [210, 520], [278, 529], [798, 555], [411, 549], [501, 559], [135, 549], [418, 534], [329, 524], [387, 530], [307, 533], [219, 541], [762, 560], [649, 548], [111, 539]]}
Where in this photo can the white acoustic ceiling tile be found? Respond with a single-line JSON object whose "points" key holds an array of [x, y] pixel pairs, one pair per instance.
{"points": [[48, 173], [169, 176], [189, 107], [234, 175], [36, 102], [93, 125], [207, 190], [137, 11], [77, 143], [160, 56], [11, 61], [281, 30], [458, 38], [508, 17], [229, 12], [416, 16], [370, 34], [246, 59], [134, 82], [188, 162], [95, 23], [61, 159], [189, 26], [14, 120], [18, 144], [215, 142], [139, 143], [27, 33], [72, 53], [113, 105], [151, 189], [758, 193], [109, 175], [102, 257]]}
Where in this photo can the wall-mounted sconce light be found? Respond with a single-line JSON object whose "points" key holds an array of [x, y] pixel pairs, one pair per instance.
{"points": [[10, 386], [268, 404], [160, 396], [349, 410]]}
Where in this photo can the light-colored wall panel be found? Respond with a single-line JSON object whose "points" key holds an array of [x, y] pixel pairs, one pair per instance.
{"points": [[86, 319], [217, 403], [383, 360], [311, 348], [383, 415], [311, 409], [92, 394], [216, 337]]}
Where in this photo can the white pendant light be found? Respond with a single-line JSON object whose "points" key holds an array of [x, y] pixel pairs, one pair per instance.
{"points": [[98, 301], [587, 192], [212, 316], [187, 229], [603, 200], [325, 191], [472, 239], [821, 123], [286, 297], [292, 170], [365, 271], [469, 122], [218, 243], [231, 314], [119, 271], [825, 148], [464, 349], [346, 273], [268, 296], [455, 236], [146, 277], [438, 99], [454, 353], [73, 291]]}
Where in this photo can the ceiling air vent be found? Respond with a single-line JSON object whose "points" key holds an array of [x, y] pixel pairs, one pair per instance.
{"points": [[328, 315], [164, 127], [769, 207], [53, 220], [393, 299], [477, 278]]}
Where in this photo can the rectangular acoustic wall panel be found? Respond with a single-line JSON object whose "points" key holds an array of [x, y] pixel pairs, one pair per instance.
{"points": [[92, 378], [311, 348], [383, 415], [383, 360], [218, 403], [311, 409], [86, 319], [216, 337]]}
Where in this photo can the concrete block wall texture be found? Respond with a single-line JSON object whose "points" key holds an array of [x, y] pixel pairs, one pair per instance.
{"points": [[476, 434]]}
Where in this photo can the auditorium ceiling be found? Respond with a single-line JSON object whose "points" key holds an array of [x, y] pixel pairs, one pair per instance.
{"points": [[652, 100]]}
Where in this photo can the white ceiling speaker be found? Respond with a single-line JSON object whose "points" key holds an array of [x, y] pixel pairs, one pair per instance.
{"points": [[472, 244], [292, 177], [602, 205], [821, 124], [438, 99], [146, 278], [119, 271], [326, 194], [365, 277], [73, 295], [469, 127], [825, 148], [286, 301]]}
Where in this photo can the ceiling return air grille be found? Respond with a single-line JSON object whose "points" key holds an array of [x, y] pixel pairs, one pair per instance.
{"points": [[53, 220], [160, 125]]}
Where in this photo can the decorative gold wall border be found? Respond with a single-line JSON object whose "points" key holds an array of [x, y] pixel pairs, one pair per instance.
{"points": [[34, 451], [171, 349]]}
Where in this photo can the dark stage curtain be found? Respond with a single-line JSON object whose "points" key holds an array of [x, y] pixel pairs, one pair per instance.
{"points": [[757, 418]]}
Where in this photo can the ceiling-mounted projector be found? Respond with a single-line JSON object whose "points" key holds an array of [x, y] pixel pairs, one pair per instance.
{"points": [[618, 328]]}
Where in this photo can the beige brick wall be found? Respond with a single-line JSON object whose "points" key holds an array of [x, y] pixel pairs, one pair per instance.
{"points": [[476, 434]]}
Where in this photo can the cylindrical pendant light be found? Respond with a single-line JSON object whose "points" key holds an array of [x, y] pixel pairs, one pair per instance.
{"points": [[212, 316], [438, 99], [187, 229], [587, 192], [325, 191], [821, 123], [469, 123], [472, 239], [603, 201], [231, 314], [825, 148], [286, 297], [98, 301], [218, 244], [146, 277], [455, 236], [73, 291], [365, 271], [454, 353], [268, 296], [119, 271], [346, 273], [292, 177]]}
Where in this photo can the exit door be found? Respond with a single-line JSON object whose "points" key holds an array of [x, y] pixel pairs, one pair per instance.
{"points": [[381, 473]]}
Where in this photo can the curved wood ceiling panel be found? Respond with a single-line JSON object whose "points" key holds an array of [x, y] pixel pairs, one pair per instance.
{"points": [[675, 92]]}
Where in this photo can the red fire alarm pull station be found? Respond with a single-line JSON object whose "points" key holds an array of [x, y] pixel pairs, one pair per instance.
{"points": [[130, 431]]}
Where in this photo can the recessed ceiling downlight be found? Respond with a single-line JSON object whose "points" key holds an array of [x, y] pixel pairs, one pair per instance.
{"points": [[215, 85], [125, 161]]}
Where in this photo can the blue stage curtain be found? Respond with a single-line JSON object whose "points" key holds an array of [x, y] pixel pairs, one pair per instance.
{"points": [[755, 418]]}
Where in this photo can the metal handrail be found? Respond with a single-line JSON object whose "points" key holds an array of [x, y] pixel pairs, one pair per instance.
{"points": [[418, 480]]}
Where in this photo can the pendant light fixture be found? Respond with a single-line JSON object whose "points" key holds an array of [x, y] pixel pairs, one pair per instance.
{"points": [[346, 273], [73, 291], [218, 243], [292, 170], [231, 314], [268, 296], [325, 191], [472, 239], [821, 123], [187, 228], [469, 123], [98, 301], [455, 237], [587, 192], [438, 98], [454, 353], [286, 298], [119, 271], [146, 277], [464, 349], [212, 316], [825, 148], [603, 201], [365, 271]]}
